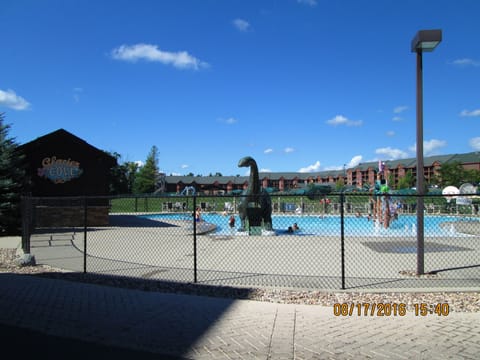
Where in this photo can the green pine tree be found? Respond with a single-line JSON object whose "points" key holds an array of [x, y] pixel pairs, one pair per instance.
{"points": [[146, 178], [12, 176]]}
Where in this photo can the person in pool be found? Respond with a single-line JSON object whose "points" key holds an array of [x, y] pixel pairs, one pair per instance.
{"points": [[293, 228]]}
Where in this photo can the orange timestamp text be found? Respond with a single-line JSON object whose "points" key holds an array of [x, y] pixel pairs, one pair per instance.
{"points": [[390, 309]]}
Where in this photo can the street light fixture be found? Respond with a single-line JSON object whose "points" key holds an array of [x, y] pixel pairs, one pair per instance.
{"points": [[424, 41]]}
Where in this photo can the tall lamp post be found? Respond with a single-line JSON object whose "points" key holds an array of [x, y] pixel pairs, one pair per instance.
{"points": [[424, 41]]}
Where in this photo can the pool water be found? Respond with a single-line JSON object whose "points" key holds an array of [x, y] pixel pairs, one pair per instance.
{"points": [[405, 225]]}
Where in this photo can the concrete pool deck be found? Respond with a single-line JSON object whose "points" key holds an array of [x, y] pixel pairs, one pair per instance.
{"points": [[164, 250]]}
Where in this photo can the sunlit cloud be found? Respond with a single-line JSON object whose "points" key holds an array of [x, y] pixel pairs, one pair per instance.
{"points": [[400, 109], [268, 151], [475, 143], [311, 3], [241, 25], [390, 133], [11, 100], [151, 53], [391, 154], [228, 121], [310, 168], [288, 150], [355, 161], [470, 113], [76, 94], [430, 147], [466, 62], [342, 120]]}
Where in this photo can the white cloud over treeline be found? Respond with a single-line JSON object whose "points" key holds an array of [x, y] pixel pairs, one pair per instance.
{"points": [[10, 99]]}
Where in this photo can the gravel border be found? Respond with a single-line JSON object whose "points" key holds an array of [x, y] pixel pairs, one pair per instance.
{"points": [[458, 301]]}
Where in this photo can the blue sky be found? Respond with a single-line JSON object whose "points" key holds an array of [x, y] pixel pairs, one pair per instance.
{"points": [[300, 85]]}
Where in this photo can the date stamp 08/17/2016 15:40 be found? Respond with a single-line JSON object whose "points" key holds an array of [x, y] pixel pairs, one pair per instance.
{"points": [[390, 309]]}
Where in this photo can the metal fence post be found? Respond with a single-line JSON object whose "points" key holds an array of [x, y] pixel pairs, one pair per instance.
{"points": [[342, 236], [85, 225], [26, 205], [194, 239]]}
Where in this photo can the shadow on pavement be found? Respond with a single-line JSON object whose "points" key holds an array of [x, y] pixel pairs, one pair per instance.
{"points": [[135, 283], [42, 346], [156, 317]]}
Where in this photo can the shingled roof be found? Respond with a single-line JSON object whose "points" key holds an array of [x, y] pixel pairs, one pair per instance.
{"points": [[467, 158]]}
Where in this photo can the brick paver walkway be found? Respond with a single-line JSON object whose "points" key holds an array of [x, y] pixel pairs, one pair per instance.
{"points": [[196, 327]]}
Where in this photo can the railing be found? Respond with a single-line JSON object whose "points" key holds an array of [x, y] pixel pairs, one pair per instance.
{"points": [[344, 241]]}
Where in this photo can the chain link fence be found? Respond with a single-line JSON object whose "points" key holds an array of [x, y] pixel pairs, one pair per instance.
{"points": [[335, 241]]}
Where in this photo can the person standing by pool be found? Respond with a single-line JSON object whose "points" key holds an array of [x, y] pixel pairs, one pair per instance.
{"points": [[231, 221], [197, 215]]}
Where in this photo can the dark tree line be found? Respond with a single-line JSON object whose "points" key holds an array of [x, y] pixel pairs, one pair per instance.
{"points": [[12, 182], [131, 178]]}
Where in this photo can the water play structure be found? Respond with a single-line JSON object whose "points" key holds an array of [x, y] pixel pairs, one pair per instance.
{"points": [[188, 190], [256, 203], [384, 209]]}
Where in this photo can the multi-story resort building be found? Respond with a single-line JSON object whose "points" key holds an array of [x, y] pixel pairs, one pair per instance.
{"points": [[361, 176]]}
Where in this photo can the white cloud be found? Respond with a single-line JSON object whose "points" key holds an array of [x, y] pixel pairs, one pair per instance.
{"points": [[147, 52], [342, 120], [355, 161], [470, 113], [397, 118], [310, 168], [139, 163], [390, 133], [466, 62], [308, 2], [391, 154], [268, 151], [288, 150], [352, 163], [475, 143], [76, 94], [11, 100], [241, 25], [228, 121], [400, 109], [430, 147], [328, 168], [264, 170], [184, 166]]}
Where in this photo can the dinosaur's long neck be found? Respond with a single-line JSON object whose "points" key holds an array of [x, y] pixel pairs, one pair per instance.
{"points": [[254, 182]]}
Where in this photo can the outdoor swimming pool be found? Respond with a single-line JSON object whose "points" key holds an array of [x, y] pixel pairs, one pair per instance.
{"points": [[405, 225]]}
